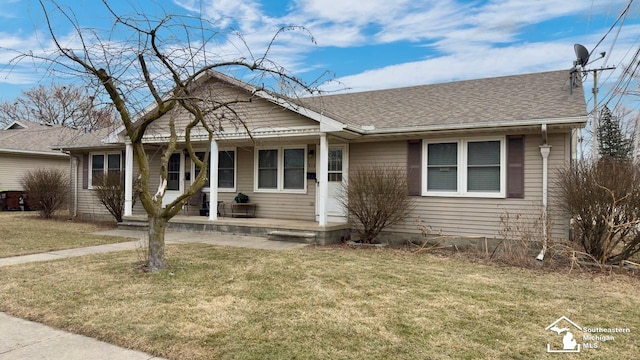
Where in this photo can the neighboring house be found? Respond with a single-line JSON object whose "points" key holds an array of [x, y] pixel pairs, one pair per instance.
{"points": [[474, 151], [27, 146]]}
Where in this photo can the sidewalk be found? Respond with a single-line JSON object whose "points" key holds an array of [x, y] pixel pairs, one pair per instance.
{"points": [[171, 237], [22, 340]]}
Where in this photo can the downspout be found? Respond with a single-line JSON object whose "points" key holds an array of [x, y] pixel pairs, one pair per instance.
{"points": [[73, 168], [545, 149], [75, 186]]}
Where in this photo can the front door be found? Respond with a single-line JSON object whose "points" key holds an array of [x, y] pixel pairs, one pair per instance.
{"points": [[338, 169], [175, 174]]}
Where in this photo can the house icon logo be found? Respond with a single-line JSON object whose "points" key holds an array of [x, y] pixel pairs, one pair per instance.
{"points": [[564, 327]]}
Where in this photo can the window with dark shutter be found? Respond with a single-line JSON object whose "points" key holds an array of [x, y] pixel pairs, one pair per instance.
{"points": [[414, 172], [515, 166]]}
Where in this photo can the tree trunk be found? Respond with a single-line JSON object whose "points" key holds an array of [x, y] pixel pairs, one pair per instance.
{"points": [[155, 256]]}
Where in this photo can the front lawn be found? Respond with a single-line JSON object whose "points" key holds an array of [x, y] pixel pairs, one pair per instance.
{"points": [[23, 233], [322, 303]]}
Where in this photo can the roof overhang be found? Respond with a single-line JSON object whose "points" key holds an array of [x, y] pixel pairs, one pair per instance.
{"points": [[34, 153], [552, 124]]}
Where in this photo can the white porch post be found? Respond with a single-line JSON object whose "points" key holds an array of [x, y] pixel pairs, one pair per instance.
{"points": [[128, 179], [323, 180], [213, 182]]}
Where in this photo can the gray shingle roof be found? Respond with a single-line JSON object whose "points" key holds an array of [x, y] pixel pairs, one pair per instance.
{"points": [[87, 140], [39, 138], [488, 102], [34, 137], [472, 102]]}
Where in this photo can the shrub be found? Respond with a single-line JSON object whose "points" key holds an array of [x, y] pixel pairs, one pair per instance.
{"points": [[376, 198], [47, 188], [603, 199], [522, 235], [109, 190]]}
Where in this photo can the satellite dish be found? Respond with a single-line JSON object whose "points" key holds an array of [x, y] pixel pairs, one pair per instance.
{"points": [[582, 54]]}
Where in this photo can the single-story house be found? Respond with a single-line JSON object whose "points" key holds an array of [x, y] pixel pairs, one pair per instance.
{"points": [[27, 146], [474, 150]]}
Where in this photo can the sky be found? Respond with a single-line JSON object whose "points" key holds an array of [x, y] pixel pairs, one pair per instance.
{"points": [[370, 44]]}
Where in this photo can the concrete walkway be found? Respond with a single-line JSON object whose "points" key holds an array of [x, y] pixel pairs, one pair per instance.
{"points": [[25, 340], [171, 237]]}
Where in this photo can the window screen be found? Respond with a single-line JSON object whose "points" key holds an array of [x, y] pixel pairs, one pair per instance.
{"points": [[442, 167], [173, 174], [226, 169], [268, 169], [483, 166], [294, 168]]}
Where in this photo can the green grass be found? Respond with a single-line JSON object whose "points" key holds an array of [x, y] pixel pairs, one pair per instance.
{"points": [[23, 233], [320, 303]]}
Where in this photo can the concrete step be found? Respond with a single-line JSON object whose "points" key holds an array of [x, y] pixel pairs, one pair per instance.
{"points": [[292, 236]]}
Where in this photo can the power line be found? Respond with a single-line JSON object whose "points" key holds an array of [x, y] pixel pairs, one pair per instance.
{"points": [[623, 14], [617, 88]]}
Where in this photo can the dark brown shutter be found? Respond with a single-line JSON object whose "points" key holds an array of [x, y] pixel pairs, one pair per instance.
{"points": [[515, 166], [85, 171], [414, 171]]}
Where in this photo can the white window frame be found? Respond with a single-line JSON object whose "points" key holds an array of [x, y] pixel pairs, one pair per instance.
{"points": [[280, 170], [462, 169], [105, 165], [235, 170]]}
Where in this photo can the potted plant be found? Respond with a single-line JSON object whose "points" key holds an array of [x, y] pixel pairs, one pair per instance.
{"points": [[241, 198]]}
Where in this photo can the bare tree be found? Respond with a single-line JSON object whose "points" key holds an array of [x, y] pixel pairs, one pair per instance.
{"points": [[375, 198], [166, 61], [65, 105]]}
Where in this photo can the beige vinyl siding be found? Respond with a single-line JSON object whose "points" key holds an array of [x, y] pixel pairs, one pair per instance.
{"points": [[258, 114], [271, 205], [463, 216], [88, 204], [14, 166], [89, 207], [279, 205]]}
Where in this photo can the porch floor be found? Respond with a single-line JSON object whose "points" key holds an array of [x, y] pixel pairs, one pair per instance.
{"points": [[331, 233]]}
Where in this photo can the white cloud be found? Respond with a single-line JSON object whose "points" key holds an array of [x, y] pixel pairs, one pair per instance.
{"points": [[476, 63], [228, 12], [515, 13], [461, 39], [354, 12]]}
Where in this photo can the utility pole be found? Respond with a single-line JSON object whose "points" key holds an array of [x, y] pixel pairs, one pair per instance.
{"points": [[636, 140], [594, 141], [594, 149]]}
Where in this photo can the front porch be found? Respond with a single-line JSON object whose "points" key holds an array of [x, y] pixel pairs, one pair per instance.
{"points": [[276, 229]]}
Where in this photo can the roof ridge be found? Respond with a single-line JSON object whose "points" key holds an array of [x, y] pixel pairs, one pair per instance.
{"points": [[401, 88]]}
